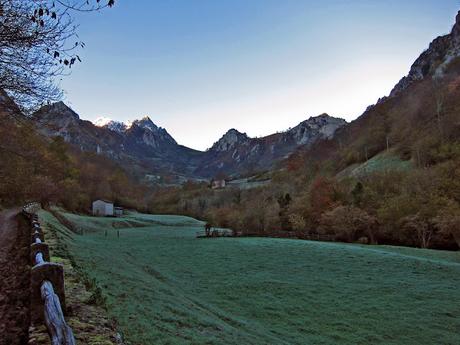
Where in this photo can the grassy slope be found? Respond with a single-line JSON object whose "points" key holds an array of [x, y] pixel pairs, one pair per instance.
{"points": [[384, 161], [166, 287]]}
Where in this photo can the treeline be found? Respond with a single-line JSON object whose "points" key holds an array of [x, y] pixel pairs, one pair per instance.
{"points": [[315, 193], [419, 207]]}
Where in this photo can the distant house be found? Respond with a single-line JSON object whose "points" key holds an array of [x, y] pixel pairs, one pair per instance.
{"points": [[103, 208], [216, 184], [118, 211]]}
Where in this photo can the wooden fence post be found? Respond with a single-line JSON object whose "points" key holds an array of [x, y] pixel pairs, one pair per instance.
{"points": [[60, 332], [46, 304]]}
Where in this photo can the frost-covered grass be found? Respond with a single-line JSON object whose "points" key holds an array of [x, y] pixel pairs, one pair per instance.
{"points": [[89, 322], [167, 287]]}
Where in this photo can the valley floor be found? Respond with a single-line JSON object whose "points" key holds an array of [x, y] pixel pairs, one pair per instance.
{"points": [[164, 286]]}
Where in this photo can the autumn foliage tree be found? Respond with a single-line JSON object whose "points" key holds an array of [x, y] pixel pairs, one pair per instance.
{"points": [[348, 223], [322, 196]]}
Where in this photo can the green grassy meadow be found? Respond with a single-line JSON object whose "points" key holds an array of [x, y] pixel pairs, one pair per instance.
{"points": [[164, 286], [382, 162]]}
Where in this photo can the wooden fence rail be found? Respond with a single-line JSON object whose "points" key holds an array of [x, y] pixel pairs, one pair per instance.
{"points": [[216, 233], [275, 234], [46, 284]]}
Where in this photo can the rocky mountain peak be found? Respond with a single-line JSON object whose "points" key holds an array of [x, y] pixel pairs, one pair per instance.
{"points": [[316, 127], [58, 109], [146, 132], [146, 123], [456, 27], [117, 126], [320, 119], [58, 118], [229, 140], [433, 61]]}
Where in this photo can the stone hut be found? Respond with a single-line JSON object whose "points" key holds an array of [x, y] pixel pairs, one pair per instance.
{"points": [[103, 208]]}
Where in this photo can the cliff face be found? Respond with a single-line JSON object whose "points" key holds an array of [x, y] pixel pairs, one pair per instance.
{"points": [[434, 60]]}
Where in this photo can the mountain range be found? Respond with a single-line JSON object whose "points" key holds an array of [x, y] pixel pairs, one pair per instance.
{"points": [[152, 151]]}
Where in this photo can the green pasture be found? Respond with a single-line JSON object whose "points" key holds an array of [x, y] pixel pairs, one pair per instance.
{"points": [[164, 286], [382, 162]]}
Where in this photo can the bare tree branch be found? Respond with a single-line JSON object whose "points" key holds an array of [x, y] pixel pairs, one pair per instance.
{"points": [[39, 44]]}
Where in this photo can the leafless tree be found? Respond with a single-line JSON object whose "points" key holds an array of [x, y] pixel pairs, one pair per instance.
{"points": [[419, 226], [38, 44]]}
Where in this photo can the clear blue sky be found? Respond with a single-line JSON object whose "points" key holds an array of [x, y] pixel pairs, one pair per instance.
{"points": [[201, 67]]}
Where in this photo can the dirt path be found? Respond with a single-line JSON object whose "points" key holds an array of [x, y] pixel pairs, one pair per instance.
{"points": [[14, 278]]}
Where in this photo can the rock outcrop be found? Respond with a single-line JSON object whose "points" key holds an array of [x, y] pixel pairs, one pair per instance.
{"points": [[230, 140], [144, 131], [319, 127], [434, 60], [116, 126]]}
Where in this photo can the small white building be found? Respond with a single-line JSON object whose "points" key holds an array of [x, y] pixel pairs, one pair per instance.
{"points": [[103, 208]]}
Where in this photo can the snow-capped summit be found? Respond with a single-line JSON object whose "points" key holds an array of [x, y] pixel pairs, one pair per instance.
{"points": [[121, 127], [102, 121], [116, 126]]}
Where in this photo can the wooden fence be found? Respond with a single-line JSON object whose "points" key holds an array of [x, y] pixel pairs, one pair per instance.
{"points": [[46, 284], [277, 234], [316, 237], [216, 233], [293, 234]]}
